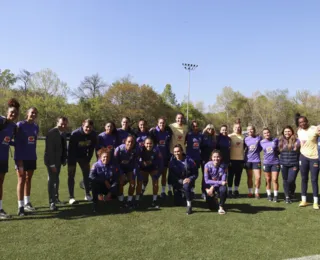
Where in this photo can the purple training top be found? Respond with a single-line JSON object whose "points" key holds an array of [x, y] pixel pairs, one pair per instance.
{"points": [[270, 151], [253, 149], [6, 135], [214, 175], [26, 141], [107, 140]]}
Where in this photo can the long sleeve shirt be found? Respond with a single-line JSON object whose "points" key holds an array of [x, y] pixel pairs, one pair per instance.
{"points": [[103, 172], [194, 141], [208, 144], [224, 145], [108, 141], [186, 168], [214, 175]]}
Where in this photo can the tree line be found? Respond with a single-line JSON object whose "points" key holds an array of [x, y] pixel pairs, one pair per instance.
{"points": [[103, 102]]}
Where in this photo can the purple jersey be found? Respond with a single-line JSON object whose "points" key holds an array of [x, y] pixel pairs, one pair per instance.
{"points": [[127, 161], [270, 151], [108, 141], [162, 141], [6, 134], [214, 175], [194, 141], [141, 136], [252, 149], [26, 141]]}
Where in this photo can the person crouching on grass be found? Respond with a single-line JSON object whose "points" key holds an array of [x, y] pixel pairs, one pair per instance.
{"points": [[151, 163], [103, 177], [183, 172], [215, 178], [25, 156]]}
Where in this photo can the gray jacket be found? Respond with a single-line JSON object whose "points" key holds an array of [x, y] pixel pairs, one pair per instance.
{"points": [[54, 153]]}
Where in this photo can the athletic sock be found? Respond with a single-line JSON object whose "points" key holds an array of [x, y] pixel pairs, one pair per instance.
{"points": [[236, 188], [304, 198], [155, 197], [256, 191], [120, 198], [129, 198], [315, 200], [26, 199], [275, 192], [188, 203], [269, 192], [20, 203], [169, 187], [137, 197], [229, 188], [143, 187], [0, 204], [250, 190], [163, 189]]}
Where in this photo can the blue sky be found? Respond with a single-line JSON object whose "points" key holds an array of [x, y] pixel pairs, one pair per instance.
{"points": [[248, 45]]}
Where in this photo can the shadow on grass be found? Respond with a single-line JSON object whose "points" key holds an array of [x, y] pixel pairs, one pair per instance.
{"points": [[250, 209]]}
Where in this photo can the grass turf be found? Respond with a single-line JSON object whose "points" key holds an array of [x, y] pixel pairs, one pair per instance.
{"points": [[251, 229]]}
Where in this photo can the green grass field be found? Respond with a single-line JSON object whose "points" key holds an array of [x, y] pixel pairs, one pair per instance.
{"points": [[251, 229]]}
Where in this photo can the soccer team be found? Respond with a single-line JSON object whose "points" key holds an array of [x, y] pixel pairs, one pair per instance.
{"points": [[125, 156]]}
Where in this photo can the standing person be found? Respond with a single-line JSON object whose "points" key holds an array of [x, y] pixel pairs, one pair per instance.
{"points": [[216, 180], [179, 132], [236, 160], [7, 132], [150, 163], [208, 144], [193, 142], [309, 160], [142, 132], [183, 173], [271, 165], [25, 155], [224, 146], [289, 148], [80, 150], [55, 155], [103, 177], [252, 160], [124, 131], [161, 136], [126, 158], [108, 138]]}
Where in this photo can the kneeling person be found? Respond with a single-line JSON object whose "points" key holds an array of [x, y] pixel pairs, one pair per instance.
{"points": [[103, 176], [183, 172], [215, 178]]}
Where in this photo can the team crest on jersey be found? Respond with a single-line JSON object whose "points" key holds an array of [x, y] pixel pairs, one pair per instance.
{"points": [[162, 142], [31, 140], [141, 144], [110, 147], [6, 140], [179, 137], [124, 162], [195, 145], [252, 147], [269, 149], [238, 143], [84, 143]]}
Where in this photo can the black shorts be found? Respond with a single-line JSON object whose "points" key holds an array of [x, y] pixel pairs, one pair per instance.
{"points": [[252, 165], [271, 168], [4, 166], [28, 165]]}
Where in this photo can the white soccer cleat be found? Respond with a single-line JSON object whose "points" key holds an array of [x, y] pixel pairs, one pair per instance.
{"points": [[88, 198], [72, 201]]}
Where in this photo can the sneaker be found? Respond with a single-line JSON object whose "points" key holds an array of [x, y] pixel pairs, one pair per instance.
{"points": [[21, 212], [230, 195], [236, 194], [275, 199], [4, 215], [155, 204], [170, 194], [28, 207], [163, 195], [72, 201], [53, 207], [269, 198], [221, 212], [315, 206], [189, 210], [88, 197], [303, 204], [288, 201], [257, 196], [250, 195]]}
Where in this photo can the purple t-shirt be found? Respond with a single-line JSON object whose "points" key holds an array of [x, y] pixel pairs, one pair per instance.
{"points": [[214, 175], [141, 137], [270, 151], [193, 145], [26, 141], [6, 135], [107, 141], [253, 149]]}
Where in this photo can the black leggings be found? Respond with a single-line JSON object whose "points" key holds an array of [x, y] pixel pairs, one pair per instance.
{"points": [[235, 172]]}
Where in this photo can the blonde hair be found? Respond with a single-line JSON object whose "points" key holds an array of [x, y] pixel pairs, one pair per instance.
{"points": [[207, 127]]}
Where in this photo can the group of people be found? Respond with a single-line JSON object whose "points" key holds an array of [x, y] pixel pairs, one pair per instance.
{"points": [[171, 153]]}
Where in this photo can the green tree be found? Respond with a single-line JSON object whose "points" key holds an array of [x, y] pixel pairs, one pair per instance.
{"points": [[7, 79], [168, 96]]}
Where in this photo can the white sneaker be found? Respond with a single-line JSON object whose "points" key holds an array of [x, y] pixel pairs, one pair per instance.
{"points": [[203, 196], [221, 212], [72, 201], [88, 198]]}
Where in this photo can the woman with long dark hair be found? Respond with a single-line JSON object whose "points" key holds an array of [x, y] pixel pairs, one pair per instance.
{"points": [[7, 132]]}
